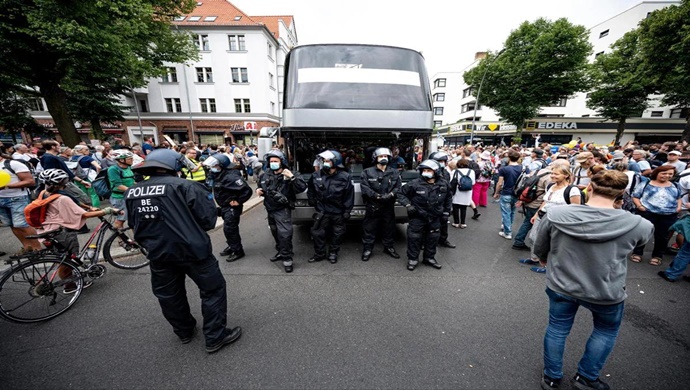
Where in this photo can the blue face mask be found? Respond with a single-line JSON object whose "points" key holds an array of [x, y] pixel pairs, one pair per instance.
{"points": [[427, 175], [275, 166], [215, 170]]}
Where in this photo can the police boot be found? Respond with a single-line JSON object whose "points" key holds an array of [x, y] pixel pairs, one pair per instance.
{"points": [[275, 257], [316, 258], [227, 251], [391, 252], [446, 244], [287, 264], [333, 257], [235, 256], [366, 254], [432, 262], [412, 264]]}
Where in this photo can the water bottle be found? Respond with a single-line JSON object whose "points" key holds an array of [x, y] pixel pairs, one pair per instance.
{"points": [[90, 252]]}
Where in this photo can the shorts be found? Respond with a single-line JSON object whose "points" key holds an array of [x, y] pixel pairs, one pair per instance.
{"points": [[12, 211], [119, 204]]}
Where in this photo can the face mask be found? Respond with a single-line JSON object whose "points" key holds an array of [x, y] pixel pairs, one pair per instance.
{"points": [[427, 175], [275, 166], [383, 161], [327, 165], [215, 170], [442, 164]]}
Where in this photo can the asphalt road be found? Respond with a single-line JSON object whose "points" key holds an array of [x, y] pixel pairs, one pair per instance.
{"points": [[478, 323]]}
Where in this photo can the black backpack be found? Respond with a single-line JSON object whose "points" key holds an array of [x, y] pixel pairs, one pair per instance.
{"points": [[566, 193], [530, 187]]}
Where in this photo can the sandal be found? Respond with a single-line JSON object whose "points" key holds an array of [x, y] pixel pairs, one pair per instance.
{"points": [[655, 261], [635, 258]]}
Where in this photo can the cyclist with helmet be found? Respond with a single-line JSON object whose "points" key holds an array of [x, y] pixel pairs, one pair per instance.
{"points": [[380, 185], [64, 212], [278, 185], [331, 192], [442, 159], [231, 192], [428, 201], [170, 217], [121, 178]]}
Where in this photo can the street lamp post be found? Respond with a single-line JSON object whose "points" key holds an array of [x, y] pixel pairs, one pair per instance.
{"points": [[476, 100]]}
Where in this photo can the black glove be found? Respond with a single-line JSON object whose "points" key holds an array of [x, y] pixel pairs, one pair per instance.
{"points": [[387, 196], [411, 210], [346, 216], [444, 217]]}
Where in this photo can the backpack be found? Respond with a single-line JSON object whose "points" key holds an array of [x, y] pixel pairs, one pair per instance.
{"points": [[31, 190], [566, 193], [531, 185], [520, 182], [77, 169], [465, 182], [35, 212], [102, 184], [628, 204]]}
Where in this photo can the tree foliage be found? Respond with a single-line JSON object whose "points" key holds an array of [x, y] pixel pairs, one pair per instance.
{"points": [[664, 41], [620, 87], [541, 63], [66, 47]]}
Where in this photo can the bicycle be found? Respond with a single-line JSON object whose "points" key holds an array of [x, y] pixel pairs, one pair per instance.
{"points": [[42, 284]]}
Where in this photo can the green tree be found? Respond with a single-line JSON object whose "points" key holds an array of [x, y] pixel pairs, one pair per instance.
{"points": [[62, 48], [665, 50], [620, 88], [541, 63]]}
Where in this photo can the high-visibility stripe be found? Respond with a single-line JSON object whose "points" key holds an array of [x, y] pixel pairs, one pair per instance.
{"points": [[358, 75]]}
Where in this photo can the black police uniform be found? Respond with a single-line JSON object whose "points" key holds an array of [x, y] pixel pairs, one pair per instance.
{"points": [[333, 197], [279, 198], [228, 185], [170, 217], [431, 204], [379, 191], [443, 239]]}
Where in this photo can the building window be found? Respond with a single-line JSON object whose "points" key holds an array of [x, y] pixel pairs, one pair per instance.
{"points": [[270, 50], [467, 107], [236, 42], [179, 18], [585, 116], [270, 79], [560, 103], [210, 18], [657, 114], [204, 75], [201, 42], [437, 123], [438, 110], [237, 18], [35, 104], [439, 97], [208, 105], [173, 104], [194, 18], [598, 54], [239, 75], [467, 92], [680, 113], [439, 83], [170, 75], [603, 33], [143, 106], [273, 108], [242, 105]]}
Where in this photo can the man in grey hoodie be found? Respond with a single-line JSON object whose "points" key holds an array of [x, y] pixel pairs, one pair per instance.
{"points": [[585, 249]]}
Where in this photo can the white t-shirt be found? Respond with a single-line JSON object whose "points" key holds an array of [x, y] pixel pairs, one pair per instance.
{"points": [[19, 168], [19, 156], [678, 165], [644, 165], [555, 198]]}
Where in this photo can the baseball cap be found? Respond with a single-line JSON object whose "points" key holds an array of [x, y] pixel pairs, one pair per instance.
{"points": [[583, 156], [675, 152]]}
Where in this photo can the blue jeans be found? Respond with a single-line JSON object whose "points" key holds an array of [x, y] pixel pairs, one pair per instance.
{"points": [[680, 263], [562, 310], [507, 212], [525, 227]]}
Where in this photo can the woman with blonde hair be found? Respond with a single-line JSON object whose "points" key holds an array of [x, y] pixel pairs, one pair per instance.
{"points": [[555, 196]]}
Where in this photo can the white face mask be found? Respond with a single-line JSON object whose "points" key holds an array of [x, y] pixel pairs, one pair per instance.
{"points": [[275, 166], [427, 175], [215, 170], [327, 165]]}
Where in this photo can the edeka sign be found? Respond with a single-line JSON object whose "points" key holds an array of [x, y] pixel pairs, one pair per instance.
{"points": [[551, 125]]}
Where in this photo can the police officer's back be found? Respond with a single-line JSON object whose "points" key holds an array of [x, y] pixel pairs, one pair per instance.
{"points": [[170, 217]]}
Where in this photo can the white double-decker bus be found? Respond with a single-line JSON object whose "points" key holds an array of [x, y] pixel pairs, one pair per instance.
{"points": [[353, 98]]}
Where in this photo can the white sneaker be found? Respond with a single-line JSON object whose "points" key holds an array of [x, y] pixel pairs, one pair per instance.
{"points": [[506, 236]]}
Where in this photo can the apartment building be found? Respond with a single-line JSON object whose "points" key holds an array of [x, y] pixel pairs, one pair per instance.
{"points": [[557, 123]]}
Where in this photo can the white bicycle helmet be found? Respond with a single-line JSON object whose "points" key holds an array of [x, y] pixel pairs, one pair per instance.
{"points": [[121, 154], [53, 177]]}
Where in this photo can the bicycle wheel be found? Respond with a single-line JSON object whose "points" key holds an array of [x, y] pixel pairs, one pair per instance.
{"points": [[123, 252], [33, 291]]}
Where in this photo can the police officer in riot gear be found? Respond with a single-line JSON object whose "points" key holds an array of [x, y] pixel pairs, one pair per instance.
{"points": [[380, 185], [170, 217], [331, 192], [442, 159], [278, 185], [231, 192], [428, 201]]}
